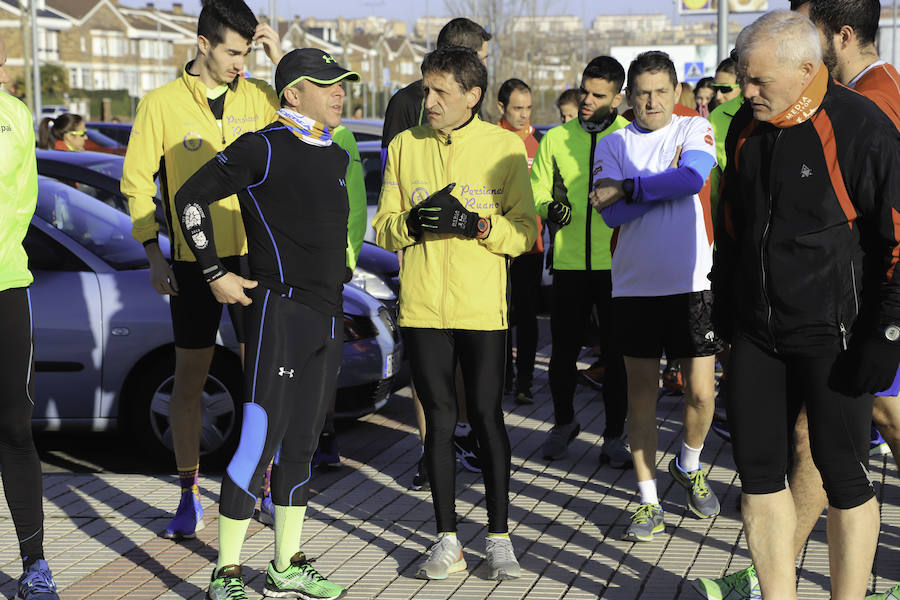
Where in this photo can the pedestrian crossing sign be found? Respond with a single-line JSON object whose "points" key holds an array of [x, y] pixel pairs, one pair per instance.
{"points": [[693, 71]]}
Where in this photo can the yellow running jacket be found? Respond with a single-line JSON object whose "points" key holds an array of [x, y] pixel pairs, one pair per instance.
{"points": [[174, 123], [446, 280]]}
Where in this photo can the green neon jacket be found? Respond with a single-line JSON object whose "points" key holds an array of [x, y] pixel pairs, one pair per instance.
{"points": [[18, 190], [566, 155]]}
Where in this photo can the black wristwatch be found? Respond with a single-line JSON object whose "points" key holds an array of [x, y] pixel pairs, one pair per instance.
{"points": [[891, 332], [628, 190]]}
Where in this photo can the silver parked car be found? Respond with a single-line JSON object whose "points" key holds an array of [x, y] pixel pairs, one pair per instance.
{"points": [[104, 353]]}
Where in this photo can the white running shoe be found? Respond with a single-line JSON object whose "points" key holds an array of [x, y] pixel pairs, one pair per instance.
{"points": [[443, 558], [501, 559]]}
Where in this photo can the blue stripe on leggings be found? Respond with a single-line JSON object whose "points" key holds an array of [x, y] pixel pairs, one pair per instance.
{"points": [[250, 448], [293, 489]]}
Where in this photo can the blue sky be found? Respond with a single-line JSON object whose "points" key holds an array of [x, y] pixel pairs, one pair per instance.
{"points": [[410, 10]]}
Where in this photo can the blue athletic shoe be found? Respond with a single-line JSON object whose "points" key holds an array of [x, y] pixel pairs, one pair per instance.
{"points": [[267, 511], [36, 583], [877, 445], [188, 519]]}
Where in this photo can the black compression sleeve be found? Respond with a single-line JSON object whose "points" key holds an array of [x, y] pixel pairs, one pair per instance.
{"points": [[234, 169]]}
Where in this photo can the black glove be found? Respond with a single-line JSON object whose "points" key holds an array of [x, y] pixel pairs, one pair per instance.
{"points": [[559, 213], [442, 213], [867, 367], [416, 216], [348, 274]]}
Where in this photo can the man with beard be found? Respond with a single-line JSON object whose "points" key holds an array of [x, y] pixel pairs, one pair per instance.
{"points": [[560, 180]]}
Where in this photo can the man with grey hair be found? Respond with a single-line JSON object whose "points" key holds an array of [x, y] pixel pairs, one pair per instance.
{"points": [[804, 287]]}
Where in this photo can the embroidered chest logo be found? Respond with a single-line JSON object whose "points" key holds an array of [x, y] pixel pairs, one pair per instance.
{"points": [[192, 141], [805, 172], [282, 372], [342, 182]]}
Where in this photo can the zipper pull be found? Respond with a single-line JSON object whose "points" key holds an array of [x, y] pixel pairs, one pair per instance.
{"points": [[843, 336], [448, 139]]}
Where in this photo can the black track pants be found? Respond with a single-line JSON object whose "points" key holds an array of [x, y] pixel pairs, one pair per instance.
{"points": [[18, 457], [290, 374], [525, 285], [433, 355], [575, 293]]}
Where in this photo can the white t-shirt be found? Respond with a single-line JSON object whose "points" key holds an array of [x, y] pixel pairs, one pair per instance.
{"points": [[668, 250]]}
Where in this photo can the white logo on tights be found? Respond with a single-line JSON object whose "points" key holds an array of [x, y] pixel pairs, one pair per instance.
{"points": [[282, 372]]}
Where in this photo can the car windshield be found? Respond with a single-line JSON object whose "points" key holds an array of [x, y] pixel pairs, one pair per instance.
{"points": [[101, 229]]}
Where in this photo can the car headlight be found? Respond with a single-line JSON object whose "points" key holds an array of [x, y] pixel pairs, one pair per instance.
{"points": [[372, 284]]}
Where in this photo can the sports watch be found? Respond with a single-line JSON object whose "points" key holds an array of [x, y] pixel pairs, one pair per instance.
{"points": [[628, 190], [482, 226]]}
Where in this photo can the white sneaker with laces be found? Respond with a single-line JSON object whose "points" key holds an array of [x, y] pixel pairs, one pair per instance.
{"points": [[501, 559], [443, 558]]}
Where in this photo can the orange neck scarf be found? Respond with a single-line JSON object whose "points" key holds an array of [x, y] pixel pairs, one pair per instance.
{"points": [[808, 103]]}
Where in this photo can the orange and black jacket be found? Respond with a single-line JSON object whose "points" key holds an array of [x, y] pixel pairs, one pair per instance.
{"points": [[807, 242]]}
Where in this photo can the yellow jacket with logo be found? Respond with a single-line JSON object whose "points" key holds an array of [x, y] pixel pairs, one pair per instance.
{"points": [[446, 280], [174, 123]]}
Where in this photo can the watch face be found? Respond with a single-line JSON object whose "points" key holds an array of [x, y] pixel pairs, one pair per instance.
{"points": [[892, 333]]}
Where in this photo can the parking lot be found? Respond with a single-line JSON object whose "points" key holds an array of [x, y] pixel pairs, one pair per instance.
{"points": [[105, 503]]}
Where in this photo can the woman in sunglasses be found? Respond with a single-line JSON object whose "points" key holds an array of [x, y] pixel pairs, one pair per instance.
{"points": [[725, 84], [65, 132]]}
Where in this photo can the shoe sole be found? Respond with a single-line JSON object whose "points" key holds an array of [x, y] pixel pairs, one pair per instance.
{"points": [[701, 589], [503, 575], [879, 450], [606, 460], [630, 537], [267, 593], [180, 535], [454, 568]]}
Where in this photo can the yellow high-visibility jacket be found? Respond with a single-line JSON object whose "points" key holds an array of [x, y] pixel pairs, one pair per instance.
{"points": [[174, 123], [446, 280]]}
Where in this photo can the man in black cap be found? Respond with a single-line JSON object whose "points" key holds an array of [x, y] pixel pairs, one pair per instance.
{"points": [[290, 180]]}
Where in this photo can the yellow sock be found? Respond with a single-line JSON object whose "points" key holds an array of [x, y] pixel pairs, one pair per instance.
{"points": [[288, 530], [231, 540], [498, 535], [450, 533]]}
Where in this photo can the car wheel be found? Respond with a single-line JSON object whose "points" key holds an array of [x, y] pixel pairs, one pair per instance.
{"points": [[221, 403]]}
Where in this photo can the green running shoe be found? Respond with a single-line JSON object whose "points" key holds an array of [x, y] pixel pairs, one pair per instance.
{"points": [[300, 580], [227, 584], [742, 585], [701, 500], [646, 522], [891, 594]]}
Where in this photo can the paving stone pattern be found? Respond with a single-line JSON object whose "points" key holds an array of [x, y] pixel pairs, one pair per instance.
{"points": [[367, 530]]}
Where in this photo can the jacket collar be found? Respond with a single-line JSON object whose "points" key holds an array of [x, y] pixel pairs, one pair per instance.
{"points": [[460, 132], [197, 87], [808, 102]]}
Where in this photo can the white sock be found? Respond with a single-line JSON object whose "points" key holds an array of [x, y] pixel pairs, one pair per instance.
{"points": [[689, 460], [462, 429], [647, 490]]}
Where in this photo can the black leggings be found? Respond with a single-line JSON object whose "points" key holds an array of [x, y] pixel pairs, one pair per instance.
{"points": [[575, 293], [18, 458], [433, 355], [764, 395], [292, 359], [525, 286]]}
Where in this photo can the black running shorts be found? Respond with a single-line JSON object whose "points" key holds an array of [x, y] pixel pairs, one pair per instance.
{"points": [[195, 311], [679, 325]]}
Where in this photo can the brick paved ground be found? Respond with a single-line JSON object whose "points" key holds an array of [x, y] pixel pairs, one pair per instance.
{"points": [[367, 530]]}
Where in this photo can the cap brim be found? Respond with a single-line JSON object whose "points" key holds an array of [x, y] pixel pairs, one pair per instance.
{"points": [[351, 75]]}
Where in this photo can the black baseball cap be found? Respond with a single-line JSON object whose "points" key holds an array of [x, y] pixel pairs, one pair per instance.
{"points": [[309, 63]]}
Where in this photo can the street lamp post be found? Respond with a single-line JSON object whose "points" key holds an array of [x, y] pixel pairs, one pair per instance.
{"points": [[723, 29], [36, 63]]}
